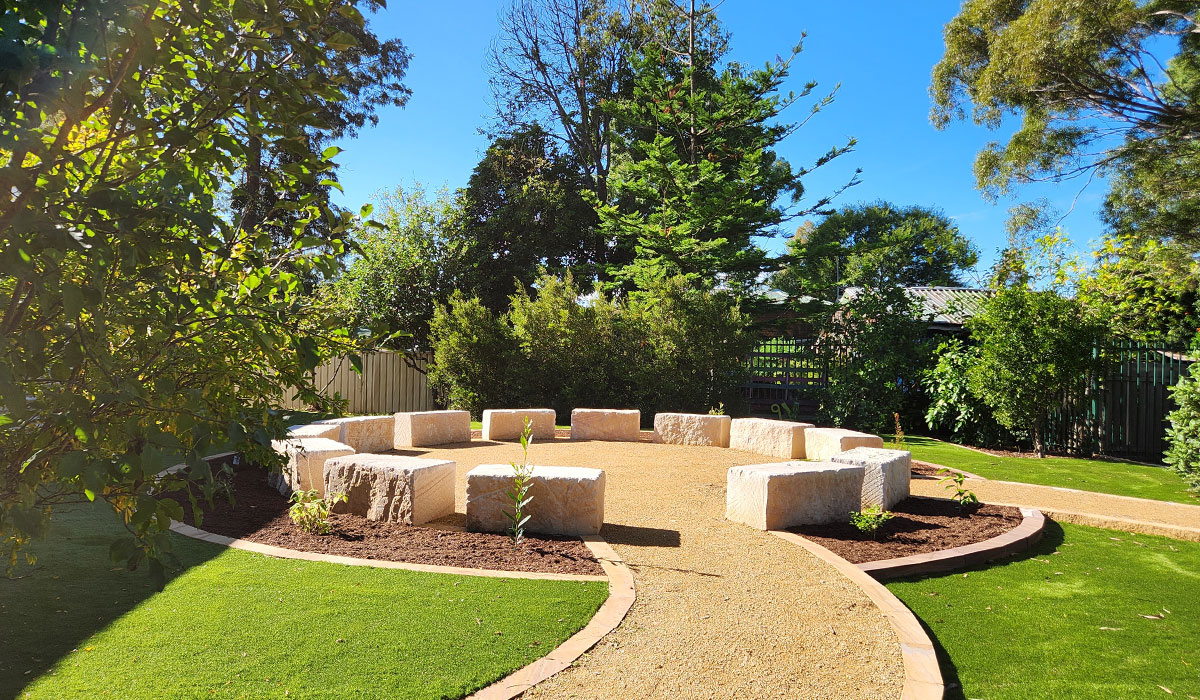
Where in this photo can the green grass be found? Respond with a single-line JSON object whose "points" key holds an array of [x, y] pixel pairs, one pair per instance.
{"points": [[1088, 613], [239, 625], [1120, 478]]}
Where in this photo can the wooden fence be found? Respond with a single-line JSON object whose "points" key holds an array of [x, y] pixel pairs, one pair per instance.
{"points": [[390, 382], [1122, 414]]}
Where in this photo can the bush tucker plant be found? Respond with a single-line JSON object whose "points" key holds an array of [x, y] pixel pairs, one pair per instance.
{"points": [[310, 512], [1183, 434], [518, 495], [964, 497], [870, 519]]}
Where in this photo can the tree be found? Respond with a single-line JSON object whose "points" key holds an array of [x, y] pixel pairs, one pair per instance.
{"points": [[1088, 81], [1183, 434], [701, 180], [523, 213], [1032, 347], [408, 262], [875, 245], [140, 326]]}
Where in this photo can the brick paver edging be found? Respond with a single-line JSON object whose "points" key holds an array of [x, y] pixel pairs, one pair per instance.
{"points": [[1018, 539], [621, 595], [922, 676]]}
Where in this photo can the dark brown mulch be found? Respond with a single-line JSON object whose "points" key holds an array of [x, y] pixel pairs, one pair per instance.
{"points": [[921, 525], [259, 514], [926, 469]]}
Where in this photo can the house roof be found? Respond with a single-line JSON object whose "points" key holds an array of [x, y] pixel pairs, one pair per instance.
{"points": [[950, 305]]}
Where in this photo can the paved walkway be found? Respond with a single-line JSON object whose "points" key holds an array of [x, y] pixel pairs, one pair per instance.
{"points": [[723, 611]]}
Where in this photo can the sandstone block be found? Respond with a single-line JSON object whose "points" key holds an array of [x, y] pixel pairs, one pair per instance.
{"points": [[305, 468], [777, 496], [321, 429], [887, 476], [692, 429], [606, 424], [566, 500], [398, 489], [424, 428], [365, 433], [774, 438], [507, 423], [823, 443]]}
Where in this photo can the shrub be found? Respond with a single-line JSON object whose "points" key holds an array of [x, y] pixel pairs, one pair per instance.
{"points": [[1183, 434], [953, 407], [474, 351], [964, 497], [310, 512], [870, 519]]}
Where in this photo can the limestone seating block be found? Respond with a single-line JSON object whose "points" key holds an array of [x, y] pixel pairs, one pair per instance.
{"points": [[365, 433], [786, 494], [623, 425], [321, 429], [823, 443], [773, 438], [507, 423], [887, 476], [425, 428], [305, 468], [392, 488], [692, 429], [566, 500]]}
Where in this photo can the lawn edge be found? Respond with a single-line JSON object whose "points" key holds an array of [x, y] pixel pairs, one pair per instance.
{"points": [[1120, 524], [621, 596], [922, 675]]}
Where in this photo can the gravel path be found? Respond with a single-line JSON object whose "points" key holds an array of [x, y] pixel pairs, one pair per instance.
{"points": [[723, 611]]}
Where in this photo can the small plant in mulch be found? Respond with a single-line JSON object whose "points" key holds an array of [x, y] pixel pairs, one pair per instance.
{"points": [[898, 435], [310, 512], [518, 495], [869, 520], [718, 410], [965, 498]]}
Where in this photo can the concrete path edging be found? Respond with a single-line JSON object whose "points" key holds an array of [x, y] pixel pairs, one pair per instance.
{"points": [[922, 675], [1018, 539], [621, 596]]}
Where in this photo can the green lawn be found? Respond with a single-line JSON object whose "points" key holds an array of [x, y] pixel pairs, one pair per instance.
{"points": [[1089, 613], [1120, 478], [240, 625]]}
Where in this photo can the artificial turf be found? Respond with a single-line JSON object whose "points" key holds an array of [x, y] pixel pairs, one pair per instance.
{"points": [[1088, 613], [238, 625], [1103, 476]]}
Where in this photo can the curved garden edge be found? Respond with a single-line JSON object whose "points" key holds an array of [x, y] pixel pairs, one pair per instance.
{"points": [[922, 675], [1018, 539]]}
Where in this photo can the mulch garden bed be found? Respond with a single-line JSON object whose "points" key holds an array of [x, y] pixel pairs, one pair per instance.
{"points": [[260, 514], [921, 525]]}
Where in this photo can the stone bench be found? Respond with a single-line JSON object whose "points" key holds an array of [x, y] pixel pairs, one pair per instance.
{"points": [[566, 500], [887, 475], [691, 429], [822, 443], [773, 438], [426, 428], [321, 429], [787, 494], [364, 433], [305, 468], [622, 425], [392, 488], [508, 423]]}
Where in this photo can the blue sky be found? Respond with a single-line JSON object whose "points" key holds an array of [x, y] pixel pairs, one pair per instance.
{"points": [[881, 53]]}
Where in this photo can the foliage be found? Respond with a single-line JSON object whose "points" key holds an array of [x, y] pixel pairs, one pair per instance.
{"points": [[518, 495], [897, 433], [953, 407], [139, 321], [870, 519], [1095, 84], [680, 349], [964, 497], [409, 261], [1145, 290], [875, 245], [875, 349], [310, 512], [522, 213], [700, 178], [718, 410], [1183, 434], [1032, 347]]}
